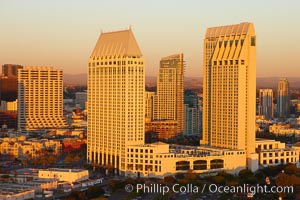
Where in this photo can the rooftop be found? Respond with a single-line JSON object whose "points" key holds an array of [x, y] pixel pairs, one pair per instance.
{"points": [[229, 30], [119, 43]]}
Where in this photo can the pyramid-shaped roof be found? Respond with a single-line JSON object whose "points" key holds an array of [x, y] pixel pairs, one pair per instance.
{"points": [[119, 43]]}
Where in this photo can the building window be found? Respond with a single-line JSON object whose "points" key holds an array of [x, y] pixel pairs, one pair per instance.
{"points": [[253, 41]]}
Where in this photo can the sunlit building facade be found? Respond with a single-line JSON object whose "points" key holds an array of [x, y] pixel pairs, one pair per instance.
{"points": [[116, 85], [170, 91], [40, 98], [229, 85]]}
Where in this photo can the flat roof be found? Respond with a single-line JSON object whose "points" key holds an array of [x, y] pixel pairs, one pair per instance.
{"points": [[63, 170]]}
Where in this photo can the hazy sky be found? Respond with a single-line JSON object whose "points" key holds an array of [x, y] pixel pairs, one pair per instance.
{"points": [[63, 33]]}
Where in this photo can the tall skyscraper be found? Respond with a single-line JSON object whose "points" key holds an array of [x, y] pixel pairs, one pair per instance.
{"points": [[266, 106], [283, 98], [229, 85], [170, 90], [40, 98], [116, 85], [192, 113]]}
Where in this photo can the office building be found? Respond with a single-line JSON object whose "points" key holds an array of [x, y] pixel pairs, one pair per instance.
{"points": [[283, 97], [116, 85], [40, 98], [266, 106], [229, 89], [10, 69], [192, 113], [170, 91], [9, 83], [80, 99]]}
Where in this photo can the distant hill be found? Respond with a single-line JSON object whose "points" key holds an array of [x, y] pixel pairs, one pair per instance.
{"points": [[189, 82], [76, 79]]}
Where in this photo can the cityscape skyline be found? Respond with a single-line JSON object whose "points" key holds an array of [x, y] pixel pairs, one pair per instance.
{"points": [[119, 131], [74, 36]]}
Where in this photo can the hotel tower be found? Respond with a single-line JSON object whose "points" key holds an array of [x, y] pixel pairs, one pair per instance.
{"points": [[116, 82], [40, 98], [229, 86]]}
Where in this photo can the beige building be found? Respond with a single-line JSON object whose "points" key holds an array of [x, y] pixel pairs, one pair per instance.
{"points": [[229, 89], [116, 82], [69, 175], [273, 152], [279, 129], [19, 147], [40, 98], [169, 103], [160, 159]]}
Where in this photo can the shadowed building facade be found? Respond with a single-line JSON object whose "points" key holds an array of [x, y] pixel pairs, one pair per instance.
{"points": [[266, 107], [283, 98], [116, 85], [229, 89]]}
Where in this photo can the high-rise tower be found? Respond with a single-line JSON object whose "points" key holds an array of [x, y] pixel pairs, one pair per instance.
{"points": [[229, 85], [170, 91], [40, 98], [266, 107], [283, 98], [116, 85]]}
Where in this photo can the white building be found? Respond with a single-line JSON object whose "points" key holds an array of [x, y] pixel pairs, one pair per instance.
{"points": [[69, 175], [273, 152], [160, 159], [116, 85]]}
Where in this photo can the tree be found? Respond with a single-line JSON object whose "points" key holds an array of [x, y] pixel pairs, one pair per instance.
{"points": [[169, 180], [191, 175], [218, 179], [290, 169], [95, 191]]}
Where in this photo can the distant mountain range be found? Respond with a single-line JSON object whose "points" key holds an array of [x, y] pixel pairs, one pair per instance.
{"points": [[189, 82]]}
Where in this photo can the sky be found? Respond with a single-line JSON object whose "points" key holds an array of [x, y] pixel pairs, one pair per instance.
{"points": [[63, 33]]}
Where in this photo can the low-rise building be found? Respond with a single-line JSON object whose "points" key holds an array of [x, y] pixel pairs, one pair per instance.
{"points": [[279, 129], [69, 175], [161, 159], [19, 147], [273, 152], [10, 191]]}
